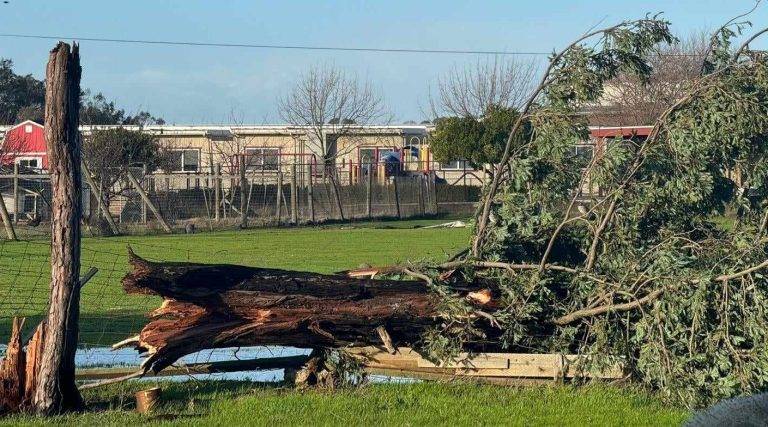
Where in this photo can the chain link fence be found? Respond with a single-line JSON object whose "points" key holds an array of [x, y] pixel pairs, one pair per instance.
{"points": [[187, 202]]}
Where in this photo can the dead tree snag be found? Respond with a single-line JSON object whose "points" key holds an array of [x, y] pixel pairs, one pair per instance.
{"points": [[56, 391]]}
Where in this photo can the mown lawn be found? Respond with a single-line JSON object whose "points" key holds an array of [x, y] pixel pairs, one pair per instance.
{"points": [[109, 315], [421, 404]]}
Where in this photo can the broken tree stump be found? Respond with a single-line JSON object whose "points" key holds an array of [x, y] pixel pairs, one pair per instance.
{"points": [[217, 306], [19, 368]]}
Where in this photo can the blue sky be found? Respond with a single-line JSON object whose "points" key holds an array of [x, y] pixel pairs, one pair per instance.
{"points": [[209, 85]]}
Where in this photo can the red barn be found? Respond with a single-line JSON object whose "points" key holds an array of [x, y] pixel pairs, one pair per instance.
{"points": [[24, 144]]}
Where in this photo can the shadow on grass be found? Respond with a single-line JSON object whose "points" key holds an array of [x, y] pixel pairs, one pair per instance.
{"points": [[186, 399]]}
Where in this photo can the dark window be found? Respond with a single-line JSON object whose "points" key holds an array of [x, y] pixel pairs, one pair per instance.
{"points": [[262, 159], [186, 160]]}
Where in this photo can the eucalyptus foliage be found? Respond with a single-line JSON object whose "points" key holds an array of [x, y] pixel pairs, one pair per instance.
{"points": [[644, 271]]}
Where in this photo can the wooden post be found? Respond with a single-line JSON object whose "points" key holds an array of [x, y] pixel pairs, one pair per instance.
{"points": [[294, 197], [102, 206], [9, 231], [310, 197], [243, 184], [397, 197], [15, 193], [150, 205], [368, 194], [56, 391], [217, 191], [433, 191], [336, 195], [144, 205], [420, 182], [279, 198]]}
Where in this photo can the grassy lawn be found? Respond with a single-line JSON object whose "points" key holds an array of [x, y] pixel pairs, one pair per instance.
{"points": [[109, 315], [237, 403]]}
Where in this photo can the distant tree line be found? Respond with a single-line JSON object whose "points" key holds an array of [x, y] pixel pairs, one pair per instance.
{"points": [[22, 97]]}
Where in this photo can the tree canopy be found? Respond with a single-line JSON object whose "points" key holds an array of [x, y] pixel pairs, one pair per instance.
{"points": [[22, 97], [478, 141]]}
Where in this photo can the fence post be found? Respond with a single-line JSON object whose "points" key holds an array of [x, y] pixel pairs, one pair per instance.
{"points": [[144, 205], [102, 207], [9, 231], [145, 198], [294, 197], [310, 197], [336, 195], [15, 193], [279, 198], [397, 197], [420, 183], [243, 183], [217, 191], [433, 183], [368, 194], [55, 390]]}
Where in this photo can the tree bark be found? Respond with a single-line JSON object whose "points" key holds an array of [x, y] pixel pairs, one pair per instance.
{"points": [[56, 391], [216, 306]]}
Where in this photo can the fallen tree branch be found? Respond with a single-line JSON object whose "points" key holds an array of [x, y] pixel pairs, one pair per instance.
{"points": [[217, 306], [580, 314]]}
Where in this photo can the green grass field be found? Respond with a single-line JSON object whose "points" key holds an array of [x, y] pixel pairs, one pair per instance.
{"points": [[108, 315], [420, 404]]}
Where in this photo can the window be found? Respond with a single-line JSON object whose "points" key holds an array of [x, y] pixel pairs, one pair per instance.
{"points": [[455, 165], [369, 155], [29, 203], [29, 162], [186, 160], [262, 159], [27, 128]]}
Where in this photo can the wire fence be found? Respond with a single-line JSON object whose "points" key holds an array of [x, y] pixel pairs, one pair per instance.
{"points": [[203, 200], [188, 202]]}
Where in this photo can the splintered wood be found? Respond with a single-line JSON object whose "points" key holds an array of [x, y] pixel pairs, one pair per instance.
{"points": [[18, 369]]}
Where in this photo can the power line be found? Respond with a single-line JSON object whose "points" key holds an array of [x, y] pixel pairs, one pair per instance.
{"points": [[275, 46]]}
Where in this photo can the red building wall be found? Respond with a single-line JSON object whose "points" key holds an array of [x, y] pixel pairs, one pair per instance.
{"points": [[24, 141]]}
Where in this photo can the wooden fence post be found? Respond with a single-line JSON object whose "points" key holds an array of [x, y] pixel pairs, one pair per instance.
{"points": [[15, 193], [368, 193], [145, 198], [397, 197], [243, 184], [336, 195], [279, 197], [56, 390], [9, 231], [144, 182], [102, 206], [310, 197], [294, 197], [433, 191], [420, 182], [217, 191]]}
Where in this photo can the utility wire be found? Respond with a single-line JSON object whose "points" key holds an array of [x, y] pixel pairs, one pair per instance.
{"points": [[274, 46], [294, 47]]}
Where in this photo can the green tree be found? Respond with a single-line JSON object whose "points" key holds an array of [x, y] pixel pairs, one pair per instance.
{"points": [[18, 92], [478, 141]]}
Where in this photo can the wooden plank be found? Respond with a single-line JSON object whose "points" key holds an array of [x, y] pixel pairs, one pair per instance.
{"points": [[551, 366]]}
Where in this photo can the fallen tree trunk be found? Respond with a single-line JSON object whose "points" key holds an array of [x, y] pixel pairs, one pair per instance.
{"points": [[216, 306]]}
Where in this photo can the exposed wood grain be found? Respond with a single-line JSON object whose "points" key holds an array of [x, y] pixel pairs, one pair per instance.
{"points": [[55, 391]]}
